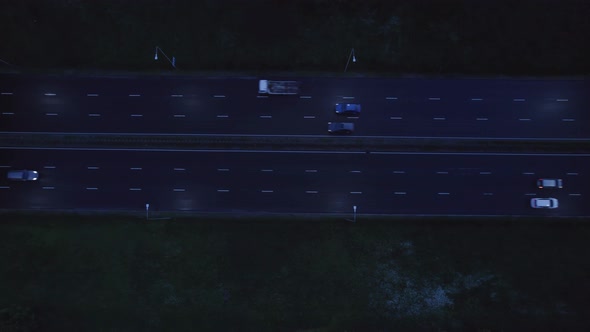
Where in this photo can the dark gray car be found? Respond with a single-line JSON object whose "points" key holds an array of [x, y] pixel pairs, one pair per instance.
{"points": [[22, 175], [340, 128]]}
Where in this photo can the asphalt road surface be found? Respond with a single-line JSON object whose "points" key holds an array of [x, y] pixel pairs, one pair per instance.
{"points": [[300, 182], [499, 108]]}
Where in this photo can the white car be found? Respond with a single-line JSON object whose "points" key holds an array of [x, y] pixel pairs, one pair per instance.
{"points": [[544, 203]]}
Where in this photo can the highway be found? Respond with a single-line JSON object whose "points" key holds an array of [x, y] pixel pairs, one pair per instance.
{"points": [[498, 108], [298, 182]]}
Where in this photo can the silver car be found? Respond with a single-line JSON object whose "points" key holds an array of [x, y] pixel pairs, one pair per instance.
{"points": [[23, 175], [544, 203], [549, 183], [340, 127]]}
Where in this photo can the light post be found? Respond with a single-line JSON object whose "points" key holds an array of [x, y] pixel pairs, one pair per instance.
{"points": [[172, 62], [354, 209], [349, 56], [147, 211]]}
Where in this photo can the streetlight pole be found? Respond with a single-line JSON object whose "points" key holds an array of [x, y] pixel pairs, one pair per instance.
{"points": [[349, 56], [354, 209], [147, 211], [172, 62]]}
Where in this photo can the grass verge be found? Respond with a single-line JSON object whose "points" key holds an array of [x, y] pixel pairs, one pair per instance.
{"points": [[76, 272]]}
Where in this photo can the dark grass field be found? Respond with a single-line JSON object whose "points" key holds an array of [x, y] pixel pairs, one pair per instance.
{"points": [[501, 37], [109, 273]]}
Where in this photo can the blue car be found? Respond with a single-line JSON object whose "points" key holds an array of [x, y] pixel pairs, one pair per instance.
{"points": [[348, 109]]}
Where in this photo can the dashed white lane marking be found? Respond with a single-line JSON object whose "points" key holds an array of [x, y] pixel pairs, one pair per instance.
{"points": [[525, 119], [223, 116], [309, 117], [482, 173], [51, 114], [48, 188], [179, 189], [218, 96], [528, 173], [92, 167], [265, 116], [347, 97], [136, 115], [222, 190], [267, 170], [518, 99], [176, 96], [399, 193], [7, 113], [399, 172], [433, 98], [311, 191], [356, 192], [135, 168], [261, 96], [391, 98], [442, 172], [311, 171], [355, 171], [135, 189], [481, 119], [476, 99], [562, 99], [568, 120], [91, 188], [438, 118], [134, 95], [304, 97], [4, 187], [488, 194], [92, 95], [94, 114], [575, 194], [395, 117], [4, 166], [179, 169], [444, 193], [179, 115], [50, 94], [49, 167], [6, 93], [267, 191], [530, 194], [223, 169], [571, 173]]}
